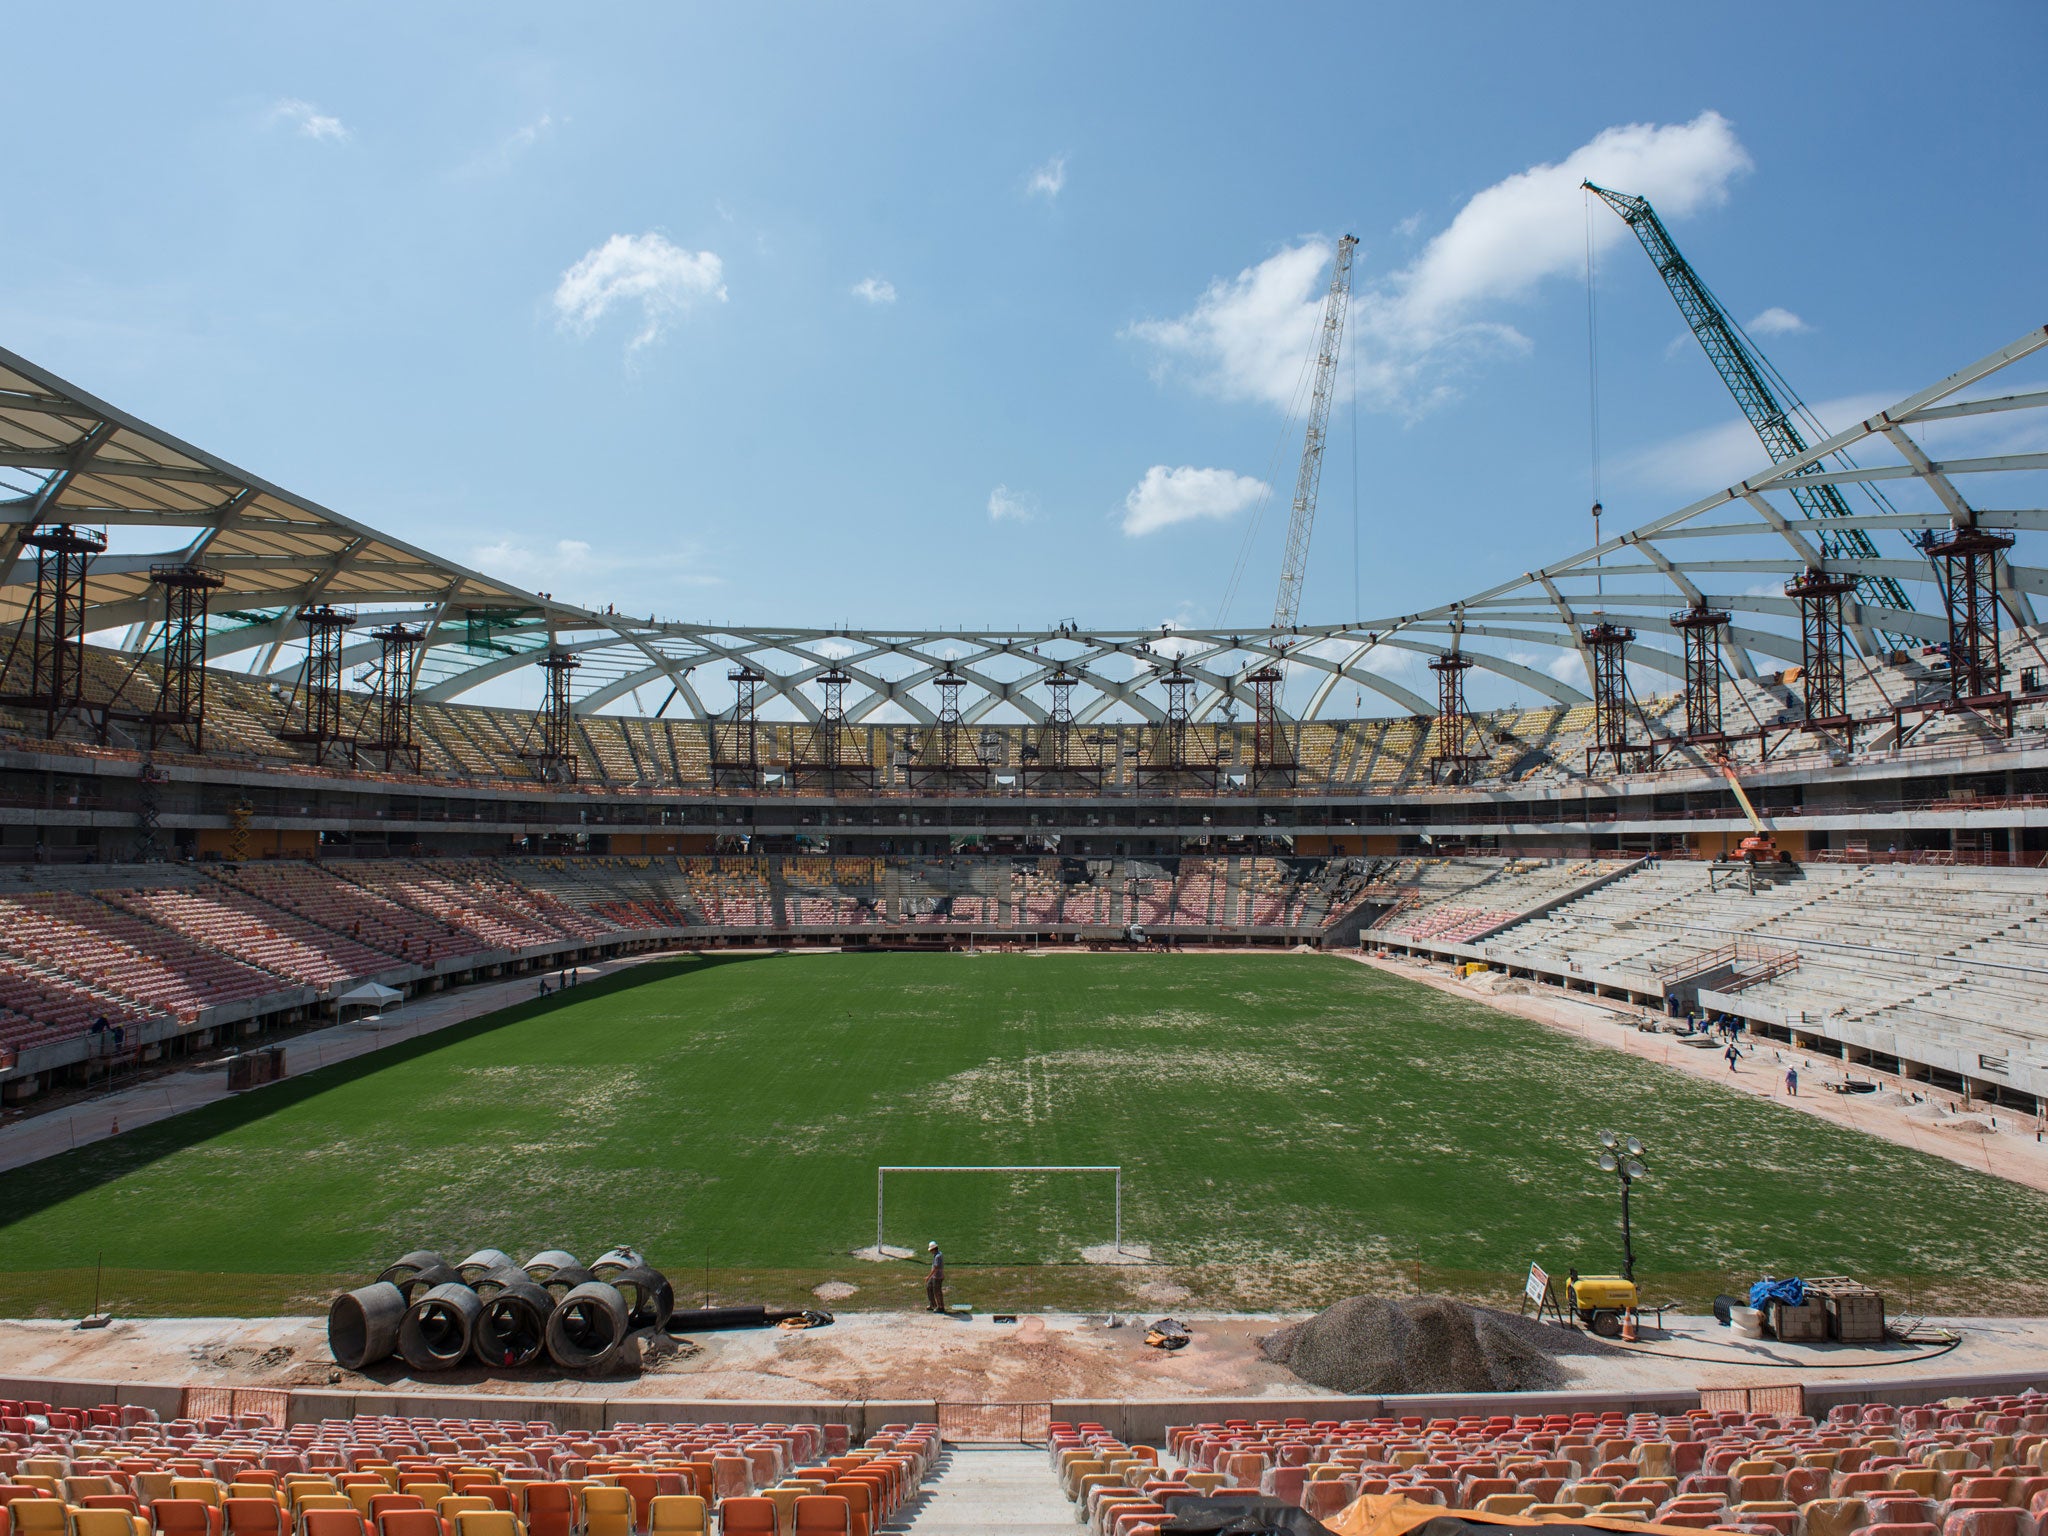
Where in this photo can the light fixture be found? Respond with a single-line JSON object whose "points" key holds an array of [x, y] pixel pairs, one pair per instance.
{"points": [[1607, 1138], [1607, 1163], [1632, 1168], [1634, 1146]]}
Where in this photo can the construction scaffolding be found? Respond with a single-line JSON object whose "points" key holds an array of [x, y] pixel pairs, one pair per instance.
{"points": [[1966, 569], [554, 755], [1052, 756], [313, 713], [1453, 757], [736, 744], [389, 712], [1174, 756], [177, 697], [1699, 628], [53, 627], [944, 755], [828, 759], [1606, 645], [1273, 759], [1823, 650]]}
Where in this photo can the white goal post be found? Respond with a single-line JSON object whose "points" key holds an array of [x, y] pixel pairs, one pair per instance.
{"points": [[882, 1175]]}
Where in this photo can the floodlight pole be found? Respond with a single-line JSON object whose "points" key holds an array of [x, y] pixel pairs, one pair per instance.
{"points": [[1628, 1247]]}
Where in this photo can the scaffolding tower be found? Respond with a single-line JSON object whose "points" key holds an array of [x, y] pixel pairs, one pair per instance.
{"points": [[1967, 563], [1699, 628], [1273, 757], [940, 755], [1453, 759], [1052, 755], [1174, 756], [54, 626], [389, 712], [554, 724], [177, 695], [736, 749], [1966, 569], [827, 758], [1823, 650], [312, 715], [1607, 646]]}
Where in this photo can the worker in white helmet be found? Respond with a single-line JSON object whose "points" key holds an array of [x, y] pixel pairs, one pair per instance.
{"points": [[935, 1280]]}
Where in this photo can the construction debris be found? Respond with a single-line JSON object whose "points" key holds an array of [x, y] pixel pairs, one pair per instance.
{"points": [[1375, 1345]]}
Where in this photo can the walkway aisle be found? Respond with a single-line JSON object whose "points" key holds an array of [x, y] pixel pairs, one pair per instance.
{"points": [[992, 1493]]}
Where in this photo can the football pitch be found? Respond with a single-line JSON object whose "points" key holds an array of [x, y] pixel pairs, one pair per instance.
{"points": [[1291, 1128]]}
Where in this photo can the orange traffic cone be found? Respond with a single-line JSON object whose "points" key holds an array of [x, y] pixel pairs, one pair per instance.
{"points": [[1628, 1326]]}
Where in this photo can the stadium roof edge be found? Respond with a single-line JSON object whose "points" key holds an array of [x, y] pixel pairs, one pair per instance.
{"points": [[73, 457]]}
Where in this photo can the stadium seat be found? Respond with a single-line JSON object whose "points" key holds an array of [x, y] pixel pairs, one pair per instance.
{"points": [[825, 1515], [747, 1516]]}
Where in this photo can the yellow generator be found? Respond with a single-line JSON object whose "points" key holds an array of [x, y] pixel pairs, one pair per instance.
{"points": [[1599, 1301]]}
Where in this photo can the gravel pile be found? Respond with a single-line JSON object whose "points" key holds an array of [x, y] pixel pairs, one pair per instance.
{"points": [[1371, 1346]]}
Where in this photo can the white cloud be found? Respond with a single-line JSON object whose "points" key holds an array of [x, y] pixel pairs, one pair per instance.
{"points": [[1777, 322], [1415, 330], [875, 290], [1008, 506], [1048, 179], [308, 119], [1569, 667], [644, 270], [1409, 227], [1169, 496]]}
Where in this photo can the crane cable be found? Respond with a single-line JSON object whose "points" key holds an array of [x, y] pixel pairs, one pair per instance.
{"points": [[1593, 400]]}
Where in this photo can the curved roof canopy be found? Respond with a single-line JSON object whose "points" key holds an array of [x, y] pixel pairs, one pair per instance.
{"points": [[1933, 460]]}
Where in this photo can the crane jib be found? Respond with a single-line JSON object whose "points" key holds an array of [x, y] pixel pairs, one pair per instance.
{"points": [[1294, 566], [1743, 373]]}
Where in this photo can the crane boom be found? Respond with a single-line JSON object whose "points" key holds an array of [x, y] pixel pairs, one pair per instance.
{"points": [[1744, 375], [1287, 607]]}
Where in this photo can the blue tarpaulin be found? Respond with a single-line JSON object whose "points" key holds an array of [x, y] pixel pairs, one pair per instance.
{"points": [[1791, 1292]]}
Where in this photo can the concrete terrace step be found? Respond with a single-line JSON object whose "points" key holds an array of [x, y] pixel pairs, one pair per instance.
{"points": [[979, 1491]]}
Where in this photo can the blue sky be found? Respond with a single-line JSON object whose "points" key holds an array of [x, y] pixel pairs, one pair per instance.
{"points": [[973, 315]]}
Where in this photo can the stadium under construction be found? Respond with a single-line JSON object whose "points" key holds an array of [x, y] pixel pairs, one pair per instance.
{"points": [[1806, 782]]}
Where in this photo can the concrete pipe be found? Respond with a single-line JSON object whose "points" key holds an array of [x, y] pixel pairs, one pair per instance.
{"points": [[616, 1261], [362, 1326], [650, 1299], [482, 1262], [545, 1263], [566, 1279], [586, 1331], [417, 1285], [438, 1327], [497, 1280], [512, 1328], [403, 1269]]}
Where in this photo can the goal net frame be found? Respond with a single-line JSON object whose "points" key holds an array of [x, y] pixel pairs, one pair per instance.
{"points": [[883, 1170]]}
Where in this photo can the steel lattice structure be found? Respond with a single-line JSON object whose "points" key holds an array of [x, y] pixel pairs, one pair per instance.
{"points": [[73, 459]]}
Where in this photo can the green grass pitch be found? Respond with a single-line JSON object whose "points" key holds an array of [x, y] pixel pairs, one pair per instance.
{"points": [[1274, 1115]]}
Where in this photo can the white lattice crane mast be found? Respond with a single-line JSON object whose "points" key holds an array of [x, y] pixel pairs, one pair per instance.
{"points": [[1287, 608]]}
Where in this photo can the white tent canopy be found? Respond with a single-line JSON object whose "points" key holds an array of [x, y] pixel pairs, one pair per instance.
{"points": [[371, 995]]}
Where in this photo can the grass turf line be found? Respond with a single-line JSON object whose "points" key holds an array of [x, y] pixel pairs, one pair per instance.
{"points": [[1276, 1116]]}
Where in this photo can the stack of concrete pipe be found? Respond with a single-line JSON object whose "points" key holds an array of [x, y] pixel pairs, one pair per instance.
{"points": [[435, 1315]]}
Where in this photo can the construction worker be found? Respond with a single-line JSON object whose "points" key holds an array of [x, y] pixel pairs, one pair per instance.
{"points": [[1792, 1081], [935, 1280]]}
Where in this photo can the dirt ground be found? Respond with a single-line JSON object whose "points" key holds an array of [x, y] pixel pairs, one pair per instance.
{"points": [[2008, 1151], [909, 1355]]}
